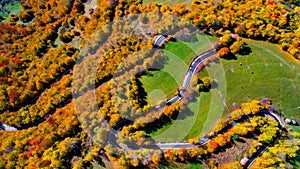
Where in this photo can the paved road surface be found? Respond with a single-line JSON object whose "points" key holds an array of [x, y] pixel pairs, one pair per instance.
{"points": [[259, 152], [191, 71], [167, 146], [205, 140]]}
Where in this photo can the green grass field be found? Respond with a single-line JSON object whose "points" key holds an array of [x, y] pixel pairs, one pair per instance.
{"points": [[203, 116], [166, 80], [275, 76], [171, 77], [169, 2], [265, 72], [179, 55], [13, 9]]}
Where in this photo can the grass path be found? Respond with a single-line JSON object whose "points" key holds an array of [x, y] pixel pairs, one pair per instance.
{"points": [[169, 2]]}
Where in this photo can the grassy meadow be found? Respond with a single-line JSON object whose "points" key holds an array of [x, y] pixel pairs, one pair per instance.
{"points": [[7, 10], [265, 72]]}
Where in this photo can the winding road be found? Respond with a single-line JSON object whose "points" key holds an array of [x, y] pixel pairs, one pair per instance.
{"points": [[191, 71], [165, 146], [205, 140]]}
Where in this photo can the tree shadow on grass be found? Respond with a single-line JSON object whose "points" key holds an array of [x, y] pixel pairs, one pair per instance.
{"points": [[157, 65], [246, 51], [230, 56], [214, 85], [295, 161], [184, 113], [240, 140], [142, 94], [165, 120], [158, 124]]}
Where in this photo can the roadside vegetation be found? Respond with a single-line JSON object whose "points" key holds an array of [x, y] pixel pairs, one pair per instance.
{"points": [[259, 131]]}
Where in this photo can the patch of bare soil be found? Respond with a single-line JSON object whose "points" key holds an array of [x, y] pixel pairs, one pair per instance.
{"points": [[234, 153], [90, 5]]}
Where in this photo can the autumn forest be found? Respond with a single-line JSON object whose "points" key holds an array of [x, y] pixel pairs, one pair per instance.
{"points": [[72, 93]]}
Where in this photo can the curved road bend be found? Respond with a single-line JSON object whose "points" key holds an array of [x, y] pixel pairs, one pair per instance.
{"points": [[191, 71], [263, 148], [252, 159], [205, 140]]}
